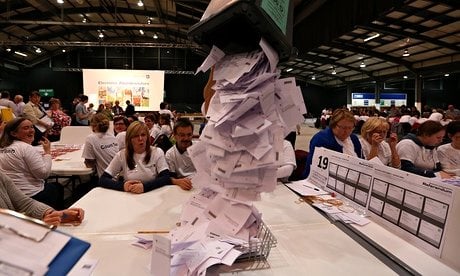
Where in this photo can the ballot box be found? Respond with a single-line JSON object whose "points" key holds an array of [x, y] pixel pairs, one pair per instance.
{"points": [[237, 26]]}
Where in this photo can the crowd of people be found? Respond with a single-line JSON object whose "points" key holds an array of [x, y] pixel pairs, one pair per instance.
{"points": [[128, 159], [138, 157], [424, 143]]}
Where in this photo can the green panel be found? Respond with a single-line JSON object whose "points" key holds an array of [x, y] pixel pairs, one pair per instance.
{"points": [[46, 92], [278, 11]]}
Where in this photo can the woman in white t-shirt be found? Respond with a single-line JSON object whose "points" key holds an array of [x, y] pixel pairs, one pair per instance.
{"points": [[142, 168], [418, 152], [449, 154], [373, 134], [101, 145], [26, 166]]}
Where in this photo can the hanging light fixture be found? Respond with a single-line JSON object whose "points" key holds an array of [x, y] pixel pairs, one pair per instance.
{"points": [[155, 36], [313, 77], [405, 77], [289, 70], [8, 49], [20, 53], [446, 74], [38, 50], [101, 35], [333, 71], [60, 1], [406, 53], [141, 32], [362, 65], [140, 3]]}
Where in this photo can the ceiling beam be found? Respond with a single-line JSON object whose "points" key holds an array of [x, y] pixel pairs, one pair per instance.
{"points": [[100, 44], [334, 62], [93, 24], [403, 34], [344, 45]]}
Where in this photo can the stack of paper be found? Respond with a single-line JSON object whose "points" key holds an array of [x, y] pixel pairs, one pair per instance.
{"points": [[236, 158]]}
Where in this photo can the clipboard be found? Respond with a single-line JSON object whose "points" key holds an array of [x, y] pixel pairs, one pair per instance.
{"points": [[67, 255], [7, 114]]}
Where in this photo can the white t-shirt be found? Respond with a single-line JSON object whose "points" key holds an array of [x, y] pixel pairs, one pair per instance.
{"points": [[288, 163], [181, 164], [101, 147], [384, 151], [143, 172], [421, 157], [121, 140], [449, 158], [26, 166]]}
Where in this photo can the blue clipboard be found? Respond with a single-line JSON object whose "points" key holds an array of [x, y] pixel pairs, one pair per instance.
{"points": [[67, 257]]}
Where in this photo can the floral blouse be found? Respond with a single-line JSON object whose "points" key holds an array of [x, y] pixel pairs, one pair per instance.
{"points": [[60, 120]]}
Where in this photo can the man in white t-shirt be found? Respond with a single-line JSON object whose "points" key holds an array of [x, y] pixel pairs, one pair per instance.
{"points": [[177, 157]]}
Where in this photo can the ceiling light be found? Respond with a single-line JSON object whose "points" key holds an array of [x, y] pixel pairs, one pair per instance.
{"points": [[83, 20], [371, 37], [20, 53], [155, 36], [8, 49], [63, 50], [289, 70], [313, 77], [405, 77], [149, 21], [333, 71], [38, 50], [446, 75], [362, 65], [140, 3], [60, 1], [101, 35], [406, 53], [141, 32]]}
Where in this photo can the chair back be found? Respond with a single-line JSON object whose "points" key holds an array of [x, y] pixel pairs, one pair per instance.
{"points": [[74, 134]]}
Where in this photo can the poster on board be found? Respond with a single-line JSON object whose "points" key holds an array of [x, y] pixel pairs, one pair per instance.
{"points": [[143, 88]]}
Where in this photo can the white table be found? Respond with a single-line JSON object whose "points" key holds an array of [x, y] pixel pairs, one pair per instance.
{"points": [[307, 242]]}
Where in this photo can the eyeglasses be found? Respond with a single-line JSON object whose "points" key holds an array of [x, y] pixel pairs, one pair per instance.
{"points": [[348, 128]]}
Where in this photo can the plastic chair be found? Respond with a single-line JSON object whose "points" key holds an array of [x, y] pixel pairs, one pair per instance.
{"points": [[74, 134]]}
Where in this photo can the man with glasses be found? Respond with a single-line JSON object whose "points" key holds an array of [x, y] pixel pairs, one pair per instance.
{"points": [[179, 162], [337, 137]]}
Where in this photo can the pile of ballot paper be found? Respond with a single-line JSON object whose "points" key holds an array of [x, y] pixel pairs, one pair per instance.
{"points": [[249, 115], [236, 159]]}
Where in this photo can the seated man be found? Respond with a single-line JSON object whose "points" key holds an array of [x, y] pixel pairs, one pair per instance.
{"points": [[179, 162]]}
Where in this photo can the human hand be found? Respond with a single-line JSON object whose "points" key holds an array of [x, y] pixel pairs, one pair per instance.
{"points": [[137, 188], [444, 174], [46, 145], [393, 139], [184, 183], [376, 139], [72, 215], [127, 185]]}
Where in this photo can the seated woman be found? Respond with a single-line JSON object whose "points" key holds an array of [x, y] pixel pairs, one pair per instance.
{"points": [[60, 120], [120, 124], [288, 163], [418, 152], [12, 198], [337, 137], [100, 146], [449, 154], [143, 168], [26, 166], [373, 135]]}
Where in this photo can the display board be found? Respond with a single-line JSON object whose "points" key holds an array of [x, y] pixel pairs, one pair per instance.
{"points": [[386, 99], [144, 89], [416, 208]]}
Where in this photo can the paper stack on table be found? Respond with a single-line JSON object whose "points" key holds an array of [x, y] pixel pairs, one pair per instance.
{"points": [[236, 158]]}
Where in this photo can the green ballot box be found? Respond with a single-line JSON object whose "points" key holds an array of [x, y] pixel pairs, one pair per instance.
{"points": [[238, 26]]}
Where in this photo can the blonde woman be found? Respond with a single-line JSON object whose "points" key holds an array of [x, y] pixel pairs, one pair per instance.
{"points": [[373, 135], [142, 168]]}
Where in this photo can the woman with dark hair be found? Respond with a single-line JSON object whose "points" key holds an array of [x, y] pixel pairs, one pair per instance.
{"points": [[337, 137], [28, 169], [418, 152], [449, 154], [100, 146], [143, 168]]}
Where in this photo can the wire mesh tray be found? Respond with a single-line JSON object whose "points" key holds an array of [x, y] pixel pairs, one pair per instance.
{"points": [[259, 247]]}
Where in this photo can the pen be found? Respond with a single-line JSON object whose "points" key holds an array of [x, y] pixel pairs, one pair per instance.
{"points": [[153, 232], [314, 188]]}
